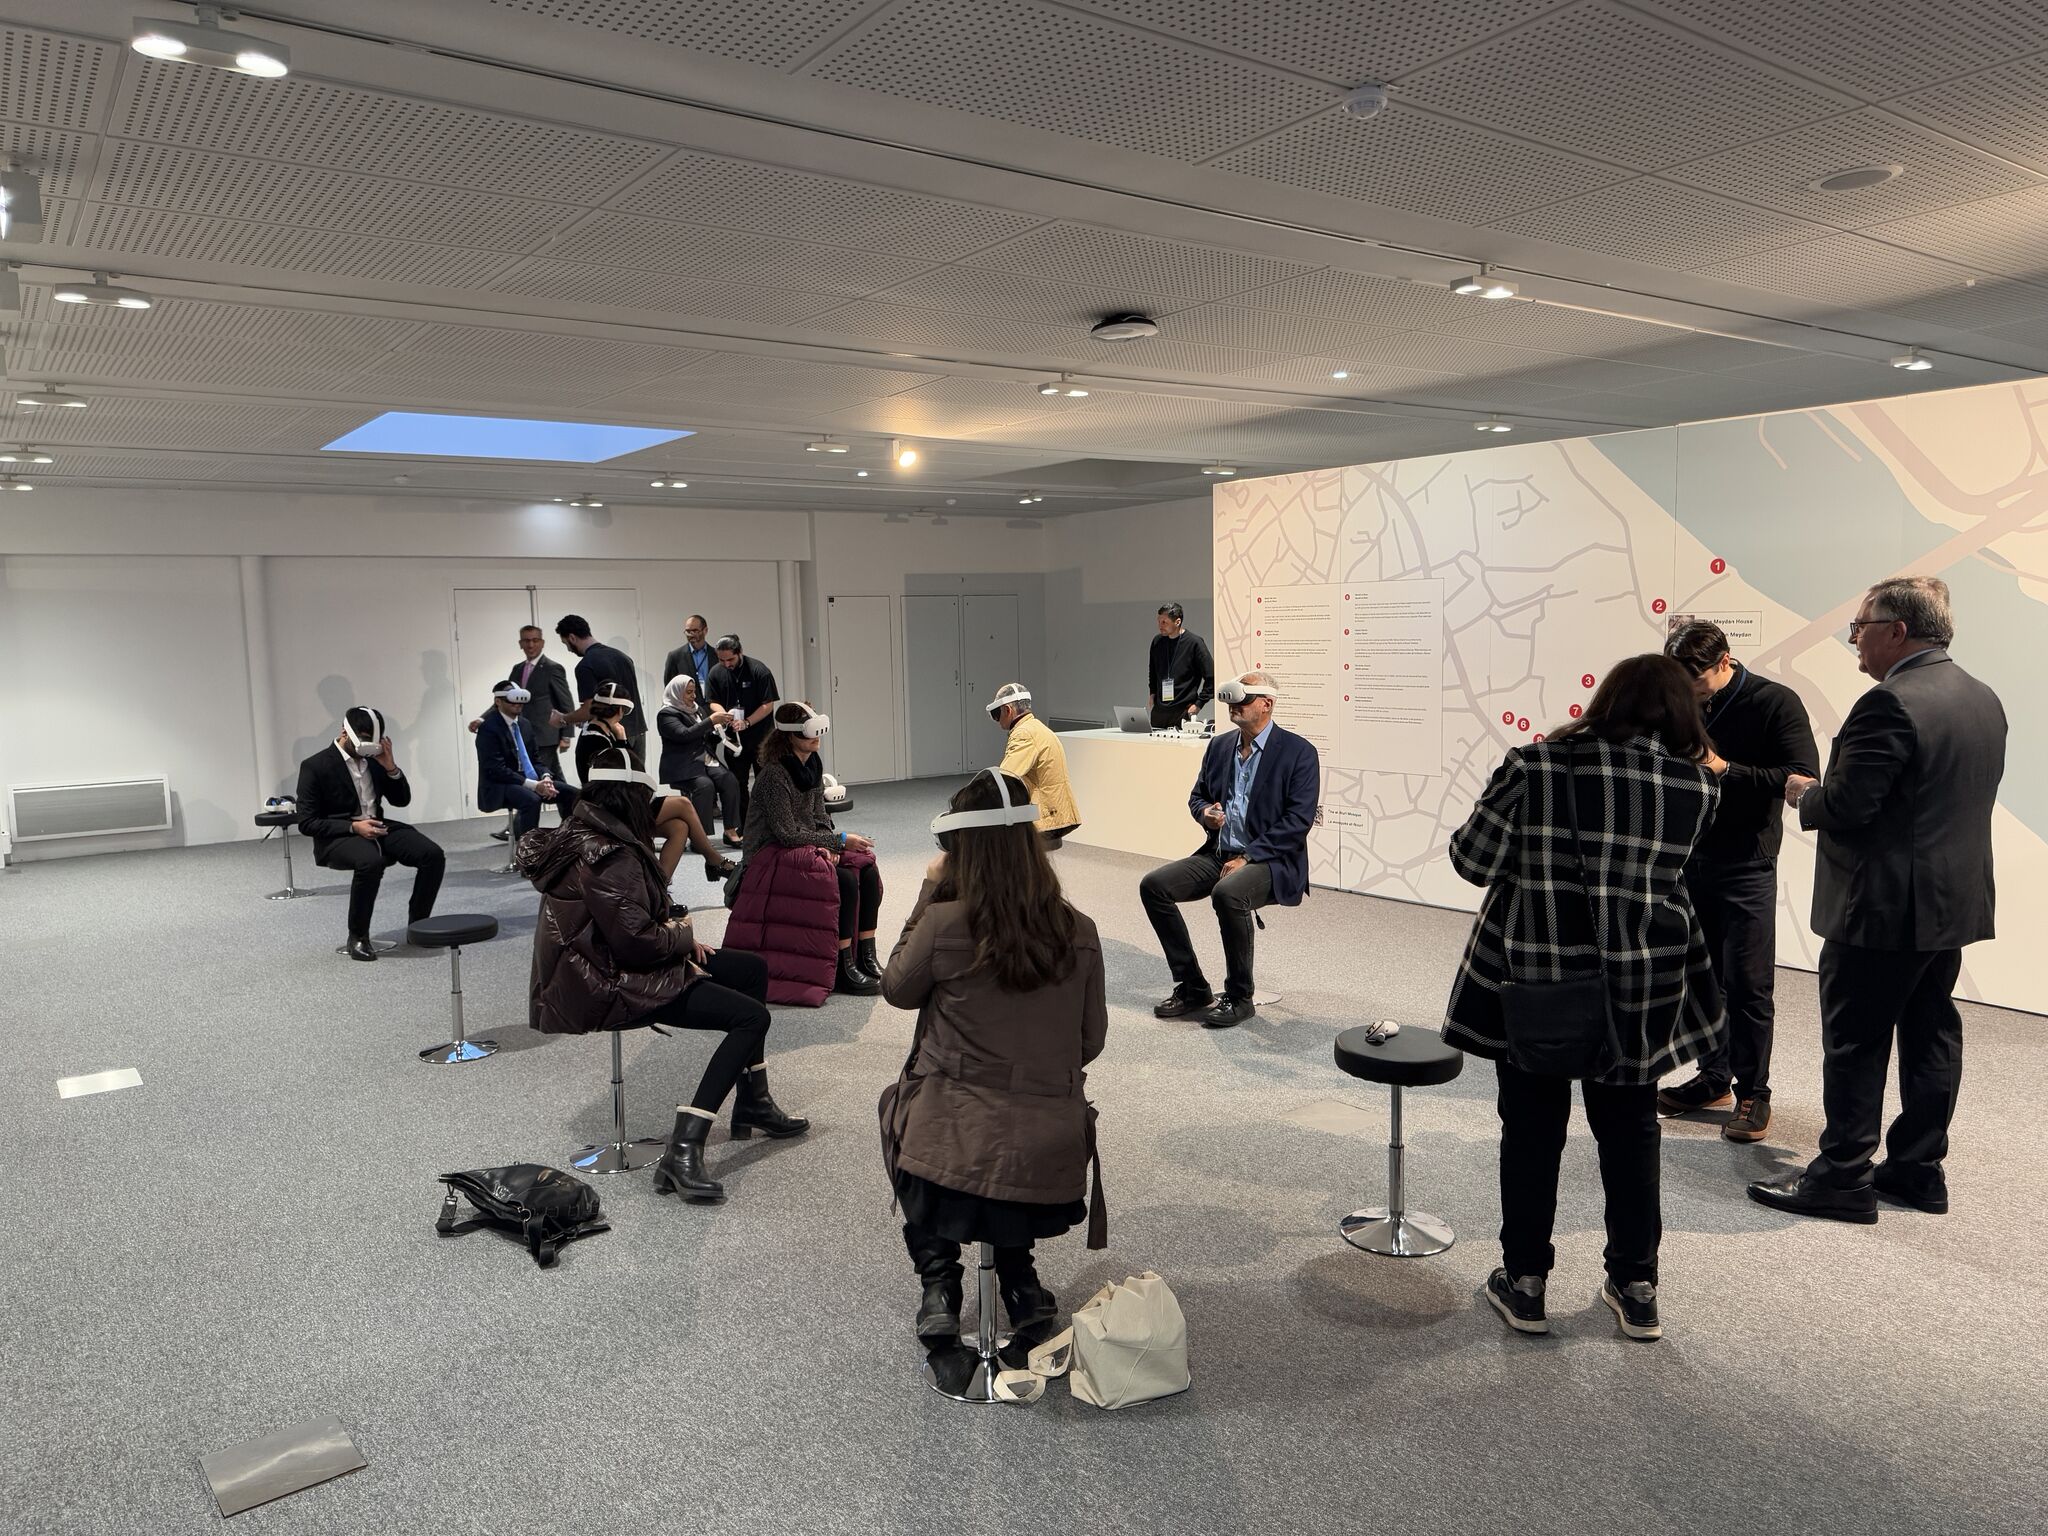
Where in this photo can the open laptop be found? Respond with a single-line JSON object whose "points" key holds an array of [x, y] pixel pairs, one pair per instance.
{"points": [[1136, 721]]}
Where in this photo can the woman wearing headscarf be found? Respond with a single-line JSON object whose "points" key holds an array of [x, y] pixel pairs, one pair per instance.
{"points": [[692, 740], [675, 820]]}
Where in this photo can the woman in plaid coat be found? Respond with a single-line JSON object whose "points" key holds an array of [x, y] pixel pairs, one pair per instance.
{"points": [[1643, 801]]}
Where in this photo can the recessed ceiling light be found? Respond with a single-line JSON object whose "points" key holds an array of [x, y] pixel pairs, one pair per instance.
{"points": [[585, 499], [1219, 469], [100, 291], [1125, 327], [1486, 284], [860, 474], [901, 454], [674, 485], [1493, 424], [1856, 179], [51, 395], [1912, 361], [826, 445], [25, 456], [1341, 373], [211, 44]]}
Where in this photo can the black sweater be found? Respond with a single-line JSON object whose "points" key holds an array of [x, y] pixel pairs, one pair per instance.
{"points": [[1185, 659], [1761, 728]]}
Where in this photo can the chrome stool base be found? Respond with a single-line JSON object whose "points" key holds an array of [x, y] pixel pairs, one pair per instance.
{"points": [[968, 1375], [1400, 1235], [286, 895], [459, 1050], [619, 1156]]}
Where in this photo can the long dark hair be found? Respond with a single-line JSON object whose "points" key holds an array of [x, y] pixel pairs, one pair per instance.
{"points": [[628, 804], [1644, 696], [777, 745], [1022, 926]]}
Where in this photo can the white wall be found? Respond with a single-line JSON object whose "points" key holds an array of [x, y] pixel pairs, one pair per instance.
{"points": [[1107, 574]]}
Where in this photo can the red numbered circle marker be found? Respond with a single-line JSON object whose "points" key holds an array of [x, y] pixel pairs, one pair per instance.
{"points": [[1539, 735], [1522, 724], [1507, 717], [1347, 666], [1657, 606], [1576, 711], [1718, 566], [1586, 681], [1258, 631]]}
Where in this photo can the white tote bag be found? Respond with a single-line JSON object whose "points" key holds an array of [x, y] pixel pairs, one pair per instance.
{"points": [[1130, 1344]]}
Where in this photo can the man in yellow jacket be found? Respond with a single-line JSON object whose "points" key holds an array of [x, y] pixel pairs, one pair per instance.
{"points": [[1034, 754]]}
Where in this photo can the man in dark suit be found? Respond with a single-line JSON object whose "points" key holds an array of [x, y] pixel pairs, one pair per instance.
{"points": [[543, 677], [1255, 799], [694, 656], [1902, 881], [507, 775], [342, 790]]}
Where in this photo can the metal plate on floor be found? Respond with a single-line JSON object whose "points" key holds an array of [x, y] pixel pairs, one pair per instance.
{"points": [[272, 1466], [1336, 1116], [98, 1082]]}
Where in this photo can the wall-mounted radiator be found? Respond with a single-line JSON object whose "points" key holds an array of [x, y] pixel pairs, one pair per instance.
{"points": [[42, 812]]}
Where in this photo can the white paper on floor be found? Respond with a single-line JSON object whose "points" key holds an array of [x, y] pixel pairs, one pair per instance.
{"points": [[1335, 1115], [98, 1082]]}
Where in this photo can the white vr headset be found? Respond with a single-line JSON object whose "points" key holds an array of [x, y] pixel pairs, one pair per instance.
{"points": [[1008, 694], [1005, 815], [371, 747], [813, 725], [1235, 692], [511, 693], [724, 742], [614, 699], [640, 776]]}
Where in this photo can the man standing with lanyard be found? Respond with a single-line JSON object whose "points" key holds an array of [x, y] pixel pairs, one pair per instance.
{"points": [[693, 656], [1761, 738], [1180, 675]]}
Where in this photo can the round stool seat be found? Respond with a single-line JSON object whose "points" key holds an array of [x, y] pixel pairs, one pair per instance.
{"points": [[451, 929], [277, 818], [1415, 1058]]}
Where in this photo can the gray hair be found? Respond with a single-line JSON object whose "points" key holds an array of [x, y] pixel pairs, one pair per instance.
{"points": [[1920, 603], [1260, 679]]}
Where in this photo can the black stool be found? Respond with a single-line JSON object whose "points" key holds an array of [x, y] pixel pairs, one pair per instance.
{"points": [[450, 932], [284, 821], [618, 1155], [1415, 1058]]}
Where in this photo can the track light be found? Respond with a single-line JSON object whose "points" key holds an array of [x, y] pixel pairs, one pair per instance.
{"points": [[1493, 424], [1219, 469], [584, 499], [24, 456], [1063, 386], [825, 445], [1341, 373], [100, 291], [21, 202], [673, 485], [1912, 361], [860, 474], [208, 42], [1030, 498], [901, 454], [1485, 284], [15, 483], [51, 395]]}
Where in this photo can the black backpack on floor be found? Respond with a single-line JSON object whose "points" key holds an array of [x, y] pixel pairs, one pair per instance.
{"points": [[543, 1206]]}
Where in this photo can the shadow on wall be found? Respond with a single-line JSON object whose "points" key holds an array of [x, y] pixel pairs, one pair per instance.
{"points": [[435, 711], [202, 821], [337, 696]]}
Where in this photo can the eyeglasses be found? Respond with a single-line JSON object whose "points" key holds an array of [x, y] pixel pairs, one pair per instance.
{"points": [[1857, 625]]}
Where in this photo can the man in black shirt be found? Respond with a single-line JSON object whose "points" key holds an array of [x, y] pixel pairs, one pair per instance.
{"points": [[1180, 677], [1761, 736], [600, 663], [747, 688]]}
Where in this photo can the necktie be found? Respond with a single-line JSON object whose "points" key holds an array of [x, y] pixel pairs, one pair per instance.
{"points": [[526, 674], [519, 742]]}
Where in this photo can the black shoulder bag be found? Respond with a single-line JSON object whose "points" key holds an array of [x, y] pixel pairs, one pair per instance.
{"points": [[544, 1207], [1563, 1028]]}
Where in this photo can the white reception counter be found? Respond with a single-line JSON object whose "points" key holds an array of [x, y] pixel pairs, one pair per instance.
{"points": [[1132, 791]]}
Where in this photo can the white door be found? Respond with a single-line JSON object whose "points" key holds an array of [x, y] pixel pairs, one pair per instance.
{"points": [[861, 746], [931, 673], [487, 625], [988, 659], [613, 614]]}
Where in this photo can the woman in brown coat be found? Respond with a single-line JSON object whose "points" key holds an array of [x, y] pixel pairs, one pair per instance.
{"points": [[988, 1134], [609, 952]]}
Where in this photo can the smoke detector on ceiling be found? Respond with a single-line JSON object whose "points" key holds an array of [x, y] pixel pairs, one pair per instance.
{"points": [[1856, 180], [1130, 327]]}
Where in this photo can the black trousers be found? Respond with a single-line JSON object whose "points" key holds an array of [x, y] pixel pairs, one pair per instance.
{"points": [[368, 857], [527, 803], [1868, 996], [860, 901], [1534, 1112], [748, 763], [734, 1001], [1234, 897], [938, 1257], [1738, 908], [712, 789]]}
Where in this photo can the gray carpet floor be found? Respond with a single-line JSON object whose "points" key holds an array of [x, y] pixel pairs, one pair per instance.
{"points": [[246, 1240]]}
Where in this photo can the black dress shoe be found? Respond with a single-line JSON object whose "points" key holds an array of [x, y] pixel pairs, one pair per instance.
{"points": [[1228, 1011], [1801, 1196], [1184, 1001], [1929, 1195], [500, 835], [361, 949]]}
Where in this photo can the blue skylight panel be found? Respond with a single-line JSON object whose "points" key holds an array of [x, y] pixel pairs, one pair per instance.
{"points": [[429, 434]]}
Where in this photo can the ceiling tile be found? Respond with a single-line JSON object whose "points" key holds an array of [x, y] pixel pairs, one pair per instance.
{"points": [[1989, 303], [232, 243], [696, 188], [1312, 374], [1652, 221], [907, 325], [2006, 234], [1848, 271], [1011, 296], [1999, 110], [52, 80], [1019, 61], [1272, 331], [1412, 160], [1599, 81], [663, 293], [1555, 328], [490, 362], [724, 255], [58, 156], [1109, 258], [771, 33], [1362, 298]]}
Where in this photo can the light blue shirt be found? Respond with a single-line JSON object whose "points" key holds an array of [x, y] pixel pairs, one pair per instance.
{"points": [[1235, 809]]}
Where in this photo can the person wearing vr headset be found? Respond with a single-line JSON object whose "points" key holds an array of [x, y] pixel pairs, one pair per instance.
{"points": [[675, 819], [611, 952], [1255, 800], [696, 744], [988, 1135], [341, 808], [1034, 754], [803, 878], [745, 688], [508, 775]]}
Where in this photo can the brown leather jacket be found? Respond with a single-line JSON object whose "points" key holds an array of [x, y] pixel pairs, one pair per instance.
{"points": [[994, 1101], [605, 950]]}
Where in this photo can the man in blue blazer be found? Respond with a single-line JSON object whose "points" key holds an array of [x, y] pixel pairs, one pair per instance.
{"points": [[1255, 800], [506, 777]]}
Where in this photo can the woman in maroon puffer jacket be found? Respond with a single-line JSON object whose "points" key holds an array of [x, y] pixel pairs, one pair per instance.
{"points": [[609, 952]]}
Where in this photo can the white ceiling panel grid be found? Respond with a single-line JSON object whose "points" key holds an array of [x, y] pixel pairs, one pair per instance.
{"points": [[1269, 330], [1998, 110], [1654, 222], [52, 80], [724, 255], [1012, 296], [1111, 258], [1019, 61], [1381, 302], [1846, 271], [771, 33], [58, 156], [287, 248], [2006, 234], [661, 293]]}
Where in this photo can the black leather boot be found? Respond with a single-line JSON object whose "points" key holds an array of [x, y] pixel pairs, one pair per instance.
{"points": [[864, 957], [1027, 1301], [938, 1266], [753, 1109], [681, 1168], [852, 980]]}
